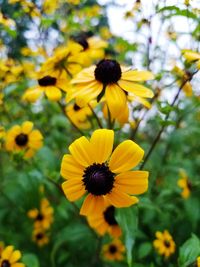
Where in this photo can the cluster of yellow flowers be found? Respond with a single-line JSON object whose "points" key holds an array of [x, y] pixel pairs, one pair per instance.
{"points": [[43, 218]]}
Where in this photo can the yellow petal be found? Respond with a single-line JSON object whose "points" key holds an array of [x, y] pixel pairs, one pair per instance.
{"points": [[70, 168], [29, 153], [86, 75], [16, 255], [73, 189], [102, 143], [191, 56], [137, 76], [119, 199], [81, 151], [132, 182], [87, 91], [125, 157], [53, 93], [116, 100], [92, 204], [135, 88], [18, 264], [32, 95], [27, 127], [7, 252]]}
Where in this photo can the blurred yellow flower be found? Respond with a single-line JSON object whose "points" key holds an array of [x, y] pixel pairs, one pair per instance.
{"points": [[114, 250], [184, 184], [6, 21], [183, 77], [43, 217], [164, 244], [23, 138], [192, 56], [10, 257], [40, 237]]}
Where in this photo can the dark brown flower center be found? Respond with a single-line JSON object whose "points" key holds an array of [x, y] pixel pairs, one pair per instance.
{"points": [[39, 217], [5, 263], [109, 216], [76, 107], [21, 139], [112, 249], [39, 236], [47, 80], [108, 71], [98, 179], [83, 42], [167, 243]]}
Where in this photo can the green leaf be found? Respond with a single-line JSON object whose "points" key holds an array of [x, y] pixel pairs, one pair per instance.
{"points": [[30, 260], [189, 251], [144, 250], [128, 221]]}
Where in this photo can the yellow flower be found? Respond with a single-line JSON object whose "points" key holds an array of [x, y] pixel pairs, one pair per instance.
{"points": [[10, 257], [93, 169], [40, 237], [192, 57], [50, 84], [43, 217], [183, 76], [185, 184], [112, 80], [24, 138], [6, 21], [65, 62], [50, 6], [93, 48], [73, 2], [164, 244], [79, 115], [114, 250], [105, 221]]}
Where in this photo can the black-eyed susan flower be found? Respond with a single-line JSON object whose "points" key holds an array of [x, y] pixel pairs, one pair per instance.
{"points": [[92, 168], [40, 237], [112, 80], [93, 48], [105, 221], [184, 184], [79, 115], [23, 139], [164, 244], [114, 250], [65, 62], [43, 217], [10, 257], [50, 84]]}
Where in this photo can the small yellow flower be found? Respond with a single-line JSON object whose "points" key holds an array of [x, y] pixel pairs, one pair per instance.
{"points": [[43, 217], [114, 250], [40, 237], [79, 115], [105, 221], [23, 138], [185, 184], [50, 6], [6, 21], [50, 84], [164, 244], [10, 257], [92, 168]]}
